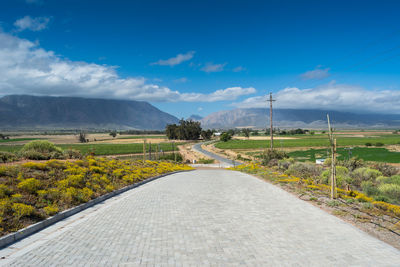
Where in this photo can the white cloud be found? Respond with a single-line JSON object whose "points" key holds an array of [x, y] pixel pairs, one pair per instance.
{"points": [[332, 96], [25, 68], [33, 24], [239, 69], [210, 67], [227, 94], [316, 74], [178, 59]]}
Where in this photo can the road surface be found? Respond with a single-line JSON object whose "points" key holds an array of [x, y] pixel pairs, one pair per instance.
{"points": [[202, 218], [224, 162]]}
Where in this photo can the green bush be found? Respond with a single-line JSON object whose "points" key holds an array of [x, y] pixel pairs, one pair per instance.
{"points": [[171, 156], [42, 146], [369, 188], [379, 144], [72, 154], [41, 150], [385, 169], [7, 157], [284, 164], [390, 190], [225, 137], [368, 144], [34, 155], [395, 179], [273, 154], [342, 176], [352, 163], [304, 170], [365, 174]]}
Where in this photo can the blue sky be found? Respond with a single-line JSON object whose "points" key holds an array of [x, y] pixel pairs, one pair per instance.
{"points": [[198, 57]]}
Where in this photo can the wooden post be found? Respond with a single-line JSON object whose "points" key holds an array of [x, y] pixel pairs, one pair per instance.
{"points": [[333, 158], [271, 131]]}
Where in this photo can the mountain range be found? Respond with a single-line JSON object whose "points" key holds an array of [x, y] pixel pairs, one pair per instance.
{"points": [[297, 118], [44, 112]]}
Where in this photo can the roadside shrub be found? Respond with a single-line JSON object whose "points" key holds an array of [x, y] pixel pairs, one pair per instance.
{"points": [[72, 154], [225, 137], [385, 169], [368, 144], [390, 190], [41, 150], [273, 154], [51, 210], [284, 164], [42, 146], [304, 170], [342, 176], [34, 155], [4, 191], [352, 163], [379, 144], [20, 210], [30, 185], [369, 188], [395, 179], [365, 174], [7, 157]]}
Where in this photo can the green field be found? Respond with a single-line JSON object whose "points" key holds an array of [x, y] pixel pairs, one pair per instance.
{"points": [[103, 149], [17, 139], [365, 153], [308, 141], [142, 137]]}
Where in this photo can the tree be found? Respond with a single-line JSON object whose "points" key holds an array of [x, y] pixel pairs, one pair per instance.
{"points": [[113, 134], [225, 137], [186, 130], [206, 135], [255, 133], [246, 132], [82, 137]]}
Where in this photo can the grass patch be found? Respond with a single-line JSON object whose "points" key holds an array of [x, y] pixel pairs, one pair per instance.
{"points": [[142, 137], [367, 154], [103, 149], [17, 140], [307, 141]]}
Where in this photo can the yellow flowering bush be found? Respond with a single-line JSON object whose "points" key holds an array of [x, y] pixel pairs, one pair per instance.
{"points": [[32, 190], [324, 188]]}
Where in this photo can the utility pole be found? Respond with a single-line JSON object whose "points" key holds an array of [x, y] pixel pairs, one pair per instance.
{"points": [[144, 150], [333, 155], [270, 100]]}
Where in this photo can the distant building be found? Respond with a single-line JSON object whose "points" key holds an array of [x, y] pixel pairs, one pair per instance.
{"points": [[320, 161], [217, 134]]}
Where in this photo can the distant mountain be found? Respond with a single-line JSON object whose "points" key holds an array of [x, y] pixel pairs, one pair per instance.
{"points": [[195, 117], [30, 112], [297, 118]]}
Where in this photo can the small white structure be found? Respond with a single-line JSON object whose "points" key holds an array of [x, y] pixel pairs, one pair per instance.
{"points": [[319, 161], [217, 134]]}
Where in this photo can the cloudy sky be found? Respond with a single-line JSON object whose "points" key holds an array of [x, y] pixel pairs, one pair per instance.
{"points": [[197, 57]]}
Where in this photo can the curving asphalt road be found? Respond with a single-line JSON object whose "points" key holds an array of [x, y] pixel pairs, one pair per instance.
{"points": [[202, 218], [224, 161]]}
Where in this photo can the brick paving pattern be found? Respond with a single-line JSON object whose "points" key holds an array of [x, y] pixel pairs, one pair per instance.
{"points": [[203, 218]]}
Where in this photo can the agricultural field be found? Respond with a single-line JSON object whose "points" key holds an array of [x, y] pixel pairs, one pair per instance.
{"points": [[381, 146], [100, 144], [104, 149]]}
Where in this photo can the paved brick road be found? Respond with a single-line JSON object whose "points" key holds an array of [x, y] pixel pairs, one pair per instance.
{"points": [[202, 218]]}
